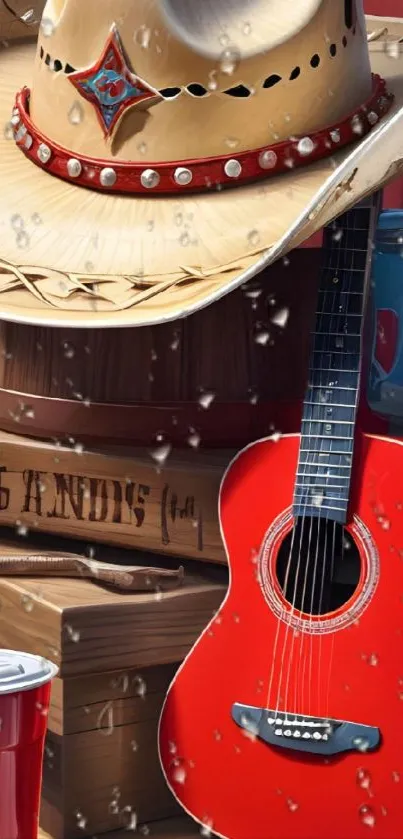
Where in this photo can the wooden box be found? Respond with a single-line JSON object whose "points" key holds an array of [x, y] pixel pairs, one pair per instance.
{"points": [[117, 654]]}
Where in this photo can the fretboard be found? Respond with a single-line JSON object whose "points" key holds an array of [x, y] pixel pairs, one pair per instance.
{"points": [[322, 486]]}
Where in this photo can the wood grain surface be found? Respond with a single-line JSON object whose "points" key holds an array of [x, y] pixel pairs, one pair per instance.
{"points": [[86, 628], [177, 828], [115, 496]]}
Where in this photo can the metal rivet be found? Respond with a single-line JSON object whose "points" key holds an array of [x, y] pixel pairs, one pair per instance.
{"points": [[150, 178], [372, 117], [232, 168], [183, 176], [267, 159], [108, 177], [74, 168], [335, 135], [20, 134], [28, 142], [305, 146], [44, 153]]}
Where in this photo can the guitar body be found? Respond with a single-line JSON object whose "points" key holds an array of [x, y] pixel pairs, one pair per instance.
{"points": [[259, 651]]}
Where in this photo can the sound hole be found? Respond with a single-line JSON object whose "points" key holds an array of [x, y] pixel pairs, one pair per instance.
{"points": [[318, 566]]}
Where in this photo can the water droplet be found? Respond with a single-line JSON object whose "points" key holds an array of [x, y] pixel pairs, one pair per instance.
{"points": [[206, 399], [105, 719], [247, 28], [68, 350], [22, 239], [292, 805], [305, 146], [207, 827], [76, 113], [373, 660], [262, 337], [134, 746], [363, 778], [47, 27], [229, 60], [280, 318], [143, 37], [396, 777], [367, 815], [161, 453], [73, 634], [129, 818], [21, 529], [36, 219], [81, 820], [217, 735], [361, 744], [27, 603], [212, 83], [140, 687], [253, 238], [194, 439], [184, 239], [179, 773]]}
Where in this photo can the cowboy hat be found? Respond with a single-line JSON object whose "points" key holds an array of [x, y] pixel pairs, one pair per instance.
{"points": [[154, 157]]}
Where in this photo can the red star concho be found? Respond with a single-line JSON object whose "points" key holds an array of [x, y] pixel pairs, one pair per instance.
{"points": [[111, 86]]}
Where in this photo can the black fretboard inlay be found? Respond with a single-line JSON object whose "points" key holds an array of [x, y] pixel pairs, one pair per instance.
{"points": [[322, 486]]}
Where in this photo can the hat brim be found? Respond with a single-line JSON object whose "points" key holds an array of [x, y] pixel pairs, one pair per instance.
{"points": [[73, 257]]}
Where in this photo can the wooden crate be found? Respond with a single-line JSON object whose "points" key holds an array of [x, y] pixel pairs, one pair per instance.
{"points": [[174, 828], [114, 496], [117, 654]]}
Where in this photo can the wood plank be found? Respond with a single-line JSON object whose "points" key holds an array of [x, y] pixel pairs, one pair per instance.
{"points": [[182, 827], [77, 703], [86, 629], [116, 496]]}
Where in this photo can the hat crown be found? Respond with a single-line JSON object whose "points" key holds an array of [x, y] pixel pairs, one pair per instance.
{"points": [[319, 74]]}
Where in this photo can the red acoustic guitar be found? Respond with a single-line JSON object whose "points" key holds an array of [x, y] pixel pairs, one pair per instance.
{"points": [[286, 719]]}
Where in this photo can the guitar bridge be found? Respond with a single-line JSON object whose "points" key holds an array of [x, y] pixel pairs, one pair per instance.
{"points": [[314, 735]]}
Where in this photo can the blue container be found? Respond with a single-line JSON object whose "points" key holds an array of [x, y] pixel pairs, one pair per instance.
{"points": [[385, 381]]}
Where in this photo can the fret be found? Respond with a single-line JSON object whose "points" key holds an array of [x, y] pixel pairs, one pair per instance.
{"points": [[330, 388], [321, 485], [330, 422], [333, 369], [323, 476], [312, 431], [340, 314], [322, 454], [328, 405]]}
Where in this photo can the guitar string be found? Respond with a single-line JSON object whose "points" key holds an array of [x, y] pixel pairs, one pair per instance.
{"points": [[340, 247], [302, 520], [344, 291], [307, 635]]}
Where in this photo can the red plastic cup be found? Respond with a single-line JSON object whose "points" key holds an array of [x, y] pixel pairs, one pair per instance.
{"points": [[25, 682]]}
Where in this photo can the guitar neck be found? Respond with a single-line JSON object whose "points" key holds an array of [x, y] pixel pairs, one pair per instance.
{"points": [[322, 486]]}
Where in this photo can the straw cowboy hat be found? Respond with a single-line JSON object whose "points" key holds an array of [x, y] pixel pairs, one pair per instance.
{"points": [[156, 154]]}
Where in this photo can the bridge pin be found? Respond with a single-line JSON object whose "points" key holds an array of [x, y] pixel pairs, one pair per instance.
{"points": [[271, 720], [316, 735], [279, 732], [287, 733], [306, 735], [297, 734]]}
